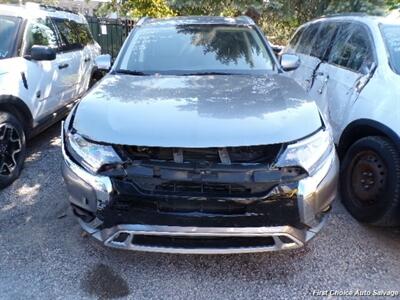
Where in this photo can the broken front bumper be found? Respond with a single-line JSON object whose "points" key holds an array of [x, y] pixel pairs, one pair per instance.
{"points": [[125, 218]]}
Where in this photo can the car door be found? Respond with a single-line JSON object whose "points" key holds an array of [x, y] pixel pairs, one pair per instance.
{"points": [[322, 45], [304, 74], [43, 78], [88, 56], [340, 79], [71, 55]]}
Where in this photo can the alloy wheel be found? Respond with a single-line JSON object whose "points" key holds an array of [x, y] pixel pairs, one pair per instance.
{"points": [[10, 147]]}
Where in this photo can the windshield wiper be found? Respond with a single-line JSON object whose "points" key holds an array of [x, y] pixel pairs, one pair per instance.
{"points": [[209, 73], [131, 72]]}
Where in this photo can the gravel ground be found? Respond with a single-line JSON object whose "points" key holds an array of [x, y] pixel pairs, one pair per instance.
{"points": [[43, 254]]}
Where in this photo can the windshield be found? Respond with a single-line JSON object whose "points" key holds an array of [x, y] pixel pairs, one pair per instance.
{"points": [[195, 49], [391, 35], [8, 35]]}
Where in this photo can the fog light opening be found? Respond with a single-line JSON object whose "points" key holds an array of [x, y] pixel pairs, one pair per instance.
{"points": [[285, 239], [121, 237]]}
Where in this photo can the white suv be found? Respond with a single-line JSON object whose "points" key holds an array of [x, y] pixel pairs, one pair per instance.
{"points": [[351, 66], [46, 62]]}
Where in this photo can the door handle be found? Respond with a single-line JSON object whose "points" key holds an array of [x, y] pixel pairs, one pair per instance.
{"points": [[87, 59], [324, 83], [63, 66]]}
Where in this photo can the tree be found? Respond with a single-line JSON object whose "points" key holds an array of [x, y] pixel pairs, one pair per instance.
{"points": [[213, 7], [392, 4], [138, 8], [376, 7]]}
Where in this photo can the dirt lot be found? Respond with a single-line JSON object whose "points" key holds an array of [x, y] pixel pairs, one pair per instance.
{"points": [[43, 254]]}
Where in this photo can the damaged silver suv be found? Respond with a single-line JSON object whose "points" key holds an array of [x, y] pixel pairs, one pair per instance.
{"points": [[196, 142]]}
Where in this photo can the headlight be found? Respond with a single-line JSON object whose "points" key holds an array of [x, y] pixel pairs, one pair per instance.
{"points": [[308, 153], [90, 155]]}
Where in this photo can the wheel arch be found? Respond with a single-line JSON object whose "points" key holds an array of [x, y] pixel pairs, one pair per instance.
{"points": [[19, 109], [362, 128]]}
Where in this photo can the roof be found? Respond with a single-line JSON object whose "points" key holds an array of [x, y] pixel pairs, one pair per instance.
{"points": [[359, 17], [198, 20], [35, 10]]}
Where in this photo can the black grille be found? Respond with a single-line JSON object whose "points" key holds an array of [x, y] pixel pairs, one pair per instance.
{"points": [[203, 188], [202, 242], [129, 206]]}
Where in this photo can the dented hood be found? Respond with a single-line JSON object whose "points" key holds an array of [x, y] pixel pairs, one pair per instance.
{"points": [[196, 111]]}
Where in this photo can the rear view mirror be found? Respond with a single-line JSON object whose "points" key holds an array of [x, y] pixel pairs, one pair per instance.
{"points": [[103, 62], [42, 53], [290, 62]]}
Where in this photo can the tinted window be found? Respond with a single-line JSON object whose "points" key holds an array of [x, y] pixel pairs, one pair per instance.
{"points": [[296, 38], [307, 39], [41, 33], [69, 33], [196, 48], [391, 35], [352, 49], [85, 37], [8, 35], [324, 39]]}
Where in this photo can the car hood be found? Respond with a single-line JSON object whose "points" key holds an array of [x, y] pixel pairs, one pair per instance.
{"points": [[196, 111]]}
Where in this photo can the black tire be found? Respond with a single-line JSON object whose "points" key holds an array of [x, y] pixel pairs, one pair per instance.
{"points": [[12, 148], [96, 76], [92, 82], [370, 181]]}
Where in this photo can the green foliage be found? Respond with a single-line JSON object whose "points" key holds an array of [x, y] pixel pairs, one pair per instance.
{"points": [[137, 8], [392, 4], [282, 17], [149, 8], [277, 18], [213, 7], [376, 7]]}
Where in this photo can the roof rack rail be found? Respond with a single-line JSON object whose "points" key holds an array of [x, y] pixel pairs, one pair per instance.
{"points": [[246, 19], [49, 7], [142, 21], [347, 14]]}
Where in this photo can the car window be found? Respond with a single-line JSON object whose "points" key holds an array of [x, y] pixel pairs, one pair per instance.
{"points": [[352, 49], [69, 33], [9, 27], [391, 35], [85, 37], [294, 41], [41, 33], [324, 39], [196, 48], [307, 39]]}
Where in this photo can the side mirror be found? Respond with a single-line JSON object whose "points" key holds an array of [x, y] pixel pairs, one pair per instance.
{"points": [[42, 53], [290, 62], [103, 62]]}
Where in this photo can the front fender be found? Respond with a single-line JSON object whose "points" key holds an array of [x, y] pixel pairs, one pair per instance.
{"points": [[365, 127]]}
